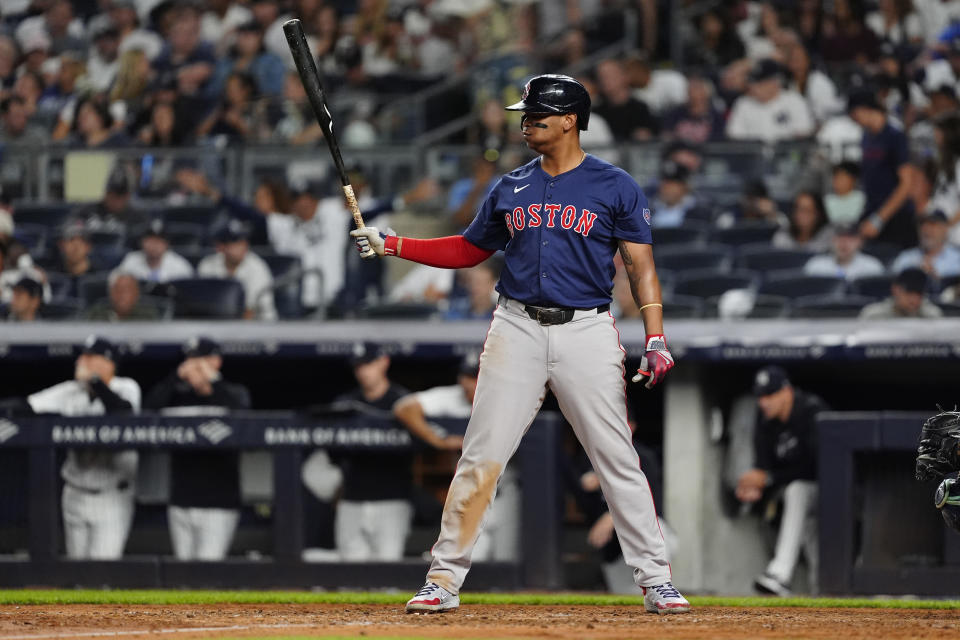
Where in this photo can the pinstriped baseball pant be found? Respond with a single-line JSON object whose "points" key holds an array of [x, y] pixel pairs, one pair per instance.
{"points": [[582, 363]]}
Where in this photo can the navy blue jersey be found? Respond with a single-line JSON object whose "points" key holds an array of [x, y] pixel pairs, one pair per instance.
{"points": [[883, 154], [559, 233]]}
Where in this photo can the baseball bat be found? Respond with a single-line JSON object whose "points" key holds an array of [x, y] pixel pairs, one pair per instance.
{"points": [[310, 77]]}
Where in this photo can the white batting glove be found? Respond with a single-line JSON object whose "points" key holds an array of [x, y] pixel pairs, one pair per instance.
{"points": [[369, 241]]}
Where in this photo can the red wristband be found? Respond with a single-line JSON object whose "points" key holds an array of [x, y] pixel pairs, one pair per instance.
{"points": [[390, 245]]}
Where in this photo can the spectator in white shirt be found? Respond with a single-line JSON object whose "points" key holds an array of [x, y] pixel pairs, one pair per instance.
{"points": [[934, 256], [659, 89], [845, 260], [945, 70], [895, 21], [103, 59], [768, 112], [814, 85], [219, 21], [500, 537], [315, 233], [234, 260], [155, 262]]}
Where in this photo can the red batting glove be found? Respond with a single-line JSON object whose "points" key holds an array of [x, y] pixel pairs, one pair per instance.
{"points": [[656, 361]]}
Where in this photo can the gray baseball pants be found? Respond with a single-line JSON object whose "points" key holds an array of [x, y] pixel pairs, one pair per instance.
{"points": [[581, 361]]}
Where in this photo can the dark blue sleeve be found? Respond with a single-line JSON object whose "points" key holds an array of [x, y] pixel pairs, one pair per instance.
{"points": [[631, 216], [488, 229]]}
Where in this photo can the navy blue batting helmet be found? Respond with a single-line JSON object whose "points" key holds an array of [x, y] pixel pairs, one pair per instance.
{"points": [[556, 94]]}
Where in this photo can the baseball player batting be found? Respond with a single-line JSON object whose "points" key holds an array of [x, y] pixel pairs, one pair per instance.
{"points": [[559, 219]]}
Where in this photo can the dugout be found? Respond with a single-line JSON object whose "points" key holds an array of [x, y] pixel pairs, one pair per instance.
{"points": [[850, 364]]}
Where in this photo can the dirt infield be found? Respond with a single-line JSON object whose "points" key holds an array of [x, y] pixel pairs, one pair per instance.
{"points": [[471, 621]]}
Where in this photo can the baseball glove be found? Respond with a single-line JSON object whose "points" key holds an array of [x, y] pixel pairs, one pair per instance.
{"points": [[938, 453]]}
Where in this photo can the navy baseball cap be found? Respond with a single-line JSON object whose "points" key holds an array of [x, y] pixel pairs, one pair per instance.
{"points": [[33, 288], [73, 228], [118, 182], [155, 227], [937, 215], [364, 352], [671, 170], [863, 98], [769, 380], [306, 187], [201, 346], [100, 346], [233, 231], [764, 70], [913, 280]]}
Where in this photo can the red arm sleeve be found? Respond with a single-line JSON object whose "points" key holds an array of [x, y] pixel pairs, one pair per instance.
{"points": [[451, 252]]}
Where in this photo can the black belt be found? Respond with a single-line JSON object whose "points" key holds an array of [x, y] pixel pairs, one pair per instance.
{"points": [[93, 492], [556, 315]]}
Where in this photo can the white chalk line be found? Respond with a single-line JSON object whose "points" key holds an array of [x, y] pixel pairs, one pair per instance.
{"points": [[144, 632]]}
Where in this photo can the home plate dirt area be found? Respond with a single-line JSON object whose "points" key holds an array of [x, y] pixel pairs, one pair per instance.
{"points": [[34, 622]]}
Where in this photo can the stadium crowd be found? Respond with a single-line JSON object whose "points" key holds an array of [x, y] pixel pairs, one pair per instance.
{"points": [[868, 223]]}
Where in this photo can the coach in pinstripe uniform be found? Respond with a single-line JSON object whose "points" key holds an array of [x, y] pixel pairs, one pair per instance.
{"points": [[98, 490]]}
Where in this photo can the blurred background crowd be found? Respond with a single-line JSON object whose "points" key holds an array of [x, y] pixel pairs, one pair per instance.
{"points": [[800, 156]]}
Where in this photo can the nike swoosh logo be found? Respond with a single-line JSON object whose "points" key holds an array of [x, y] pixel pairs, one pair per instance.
{"points": [[519, 189]]}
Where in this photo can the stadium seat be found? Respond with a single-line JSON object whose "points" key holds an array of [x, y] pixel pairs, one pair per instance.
{"points": [[46, 214], [207, 217], [682, 307], [687, 234], [93, 287], [287, 284], [108, 256], [33, 236], [744, 233], [819, 307], [947, 283], [60, 285], [62, 309], [207, 298], [192, 254], [876, 287], [762, 257], [185, 234], [683, 258], [399, 311], [107, 239], [950, 309], [885, 252], [796, 284], [709, 283], [764, 306]]}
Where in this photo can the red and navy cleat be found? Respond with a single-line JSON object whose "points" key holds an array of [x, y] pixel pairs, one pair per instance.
{"points": [[433, 598], [664, 598]]}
